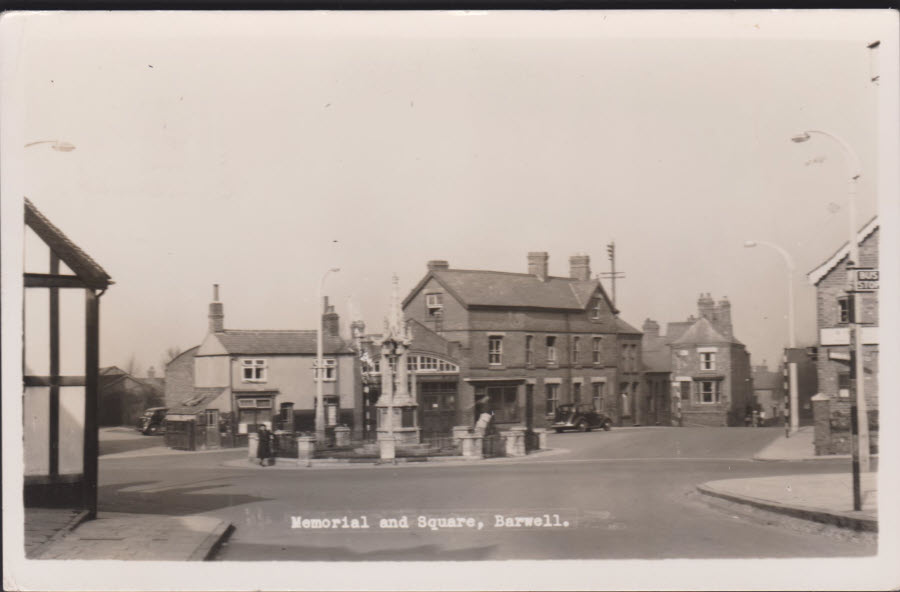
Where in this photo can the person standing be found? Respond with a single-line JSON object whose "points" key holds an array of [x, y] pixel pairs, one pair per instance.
{"points": [[264, 446]]}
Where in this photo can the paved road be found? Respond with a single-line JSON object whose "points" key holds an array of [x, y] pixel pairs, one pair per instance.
{"points": [[124, 439], [628, 493]]}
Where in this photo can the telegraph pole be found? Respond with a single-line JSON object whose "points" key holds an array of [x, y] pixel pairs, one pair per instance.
{"points": [[612, 275]]}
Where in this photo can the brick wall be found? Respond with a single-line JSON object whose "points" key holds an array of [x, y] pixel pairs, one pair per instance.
{"points": [[180, 377], [832, 430]]}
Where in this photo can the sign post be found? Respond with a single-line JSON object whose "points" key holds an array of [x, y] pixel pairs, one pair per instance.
{"points": [[861, 280]]}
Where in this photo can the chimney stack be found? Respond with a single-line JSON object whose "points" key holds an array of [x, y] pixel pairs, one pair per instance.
{"points": [[357, 329], [330, 319], [438, 265], [651, 328], [216, 313], [580, 267], [151, 372], [538, 264], [724, 318], [706, 308]]}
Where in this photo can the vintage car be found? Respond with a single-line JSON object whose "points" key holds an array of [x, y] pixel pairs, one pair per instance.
{"points": [[153, 421], [583, 418]]}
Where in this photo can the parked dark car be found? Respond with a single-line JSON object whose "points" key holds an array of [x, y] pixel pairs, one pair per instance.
{"points": [[583, 418], [153, 421]]}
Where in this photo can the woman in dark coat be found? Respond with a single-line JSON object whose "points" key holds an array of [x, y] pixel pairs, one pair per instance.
{"points": [[264, 447]]}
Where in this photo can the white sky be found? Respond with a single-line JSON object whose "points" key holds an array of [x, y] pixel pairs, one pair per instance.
{"points": [[255, 151]]}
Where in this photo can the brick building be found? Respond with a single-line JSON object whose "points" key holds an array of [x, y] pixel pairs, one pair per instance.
{"points": [[657, 404], [123, 397], [237, 379], [768, 393], [490, 340], [710, 367], [832, 404]]}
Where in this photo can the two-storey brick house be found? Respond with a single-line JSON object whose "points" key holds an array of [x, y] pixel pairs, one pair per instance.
{"points": [[832, 431], [520, 344], [263, 377], [710, 367]]}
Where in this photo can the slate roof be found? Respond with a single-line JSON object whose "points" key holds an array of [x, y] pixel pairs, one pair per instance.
{"points": [[676, 329], [702, 331], [623, 328], [197, 402], [88, 270], [261, 342], [520, 290]]}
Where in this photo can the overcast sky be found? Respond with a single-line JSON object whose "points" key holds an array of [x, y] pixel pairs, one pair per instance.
{"points": [[256, 151]]}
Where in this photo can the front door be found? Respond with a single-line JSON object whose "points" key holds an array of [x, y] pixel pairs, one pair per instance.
{"points": [[438, 407], [212, 428]]}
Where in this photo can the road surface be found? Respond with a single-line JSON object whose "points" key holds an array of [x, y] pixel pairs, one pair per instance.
{"points": [[627, 493]]}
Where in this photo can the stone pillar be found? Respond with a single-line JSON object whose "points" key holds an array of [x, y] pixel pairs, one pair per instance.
{"points": [[306, 448], [821, 404], [518, 440], [252, 446], [458, 433], [342, 436], [387, 447], [471, 446], [542, 438], [477, 446]]}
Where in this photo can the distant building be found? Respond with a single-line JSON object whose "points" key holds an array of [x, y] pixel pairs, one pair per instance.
{"points": [[237, 379], [710, 367], [830, 279], [123, 397], [657, 403], [518, 344], [768, 393]]}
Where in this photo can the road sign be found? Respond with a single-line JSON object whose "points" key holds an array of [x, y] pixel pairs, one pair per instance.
{"points": [[865, 279]]}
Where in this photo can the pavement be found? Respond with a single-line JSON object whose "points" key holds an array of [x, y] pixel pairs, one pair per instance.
{"points": [[52, 533], [121, 536], [825, 498]]}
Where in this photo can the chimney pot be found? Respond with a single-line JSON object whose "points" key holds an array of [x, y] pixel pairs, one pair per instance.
{"points": [[438, 264]]}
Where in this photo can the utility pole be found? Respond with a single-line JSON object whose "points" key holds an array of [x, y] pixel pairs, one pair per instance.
{"points": [[612, 275]]}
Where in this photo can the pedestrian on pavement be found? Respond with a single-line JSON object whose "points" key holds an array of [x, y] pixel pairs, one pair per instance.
{"points": [[755, 418], [762, 418], [264, 447]]}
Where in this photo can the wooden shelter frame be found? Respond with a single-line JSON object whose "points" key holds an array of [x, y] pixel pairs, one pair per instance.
{"points": [[91, 278]]}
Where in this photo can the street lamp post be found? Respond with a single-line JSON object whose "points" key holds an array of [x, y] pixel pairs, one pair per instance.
{"points": [[860, 441], [792, 418], [320, 365]]}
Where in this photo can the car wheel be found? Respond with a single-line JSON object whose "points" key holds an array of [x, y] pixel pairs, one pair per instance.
{"points": [[153, 430], [606, 426], [583, 426]]}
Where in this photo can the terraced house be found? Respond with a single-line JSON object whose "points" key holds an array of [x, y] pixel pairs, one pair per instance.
{"points": [[518, 344]]}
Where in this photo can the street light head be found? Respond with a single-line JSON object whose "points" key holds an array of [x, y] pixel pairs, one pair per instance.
{"points": [[63, 147], [335, 269], [874, 44], [800, 138], [749, 243]]}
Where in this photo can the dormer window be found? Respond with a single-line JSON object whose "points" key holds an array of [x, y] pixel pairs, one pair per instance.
{"points": [[595, 310], [434, 304], [253, 370]]}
